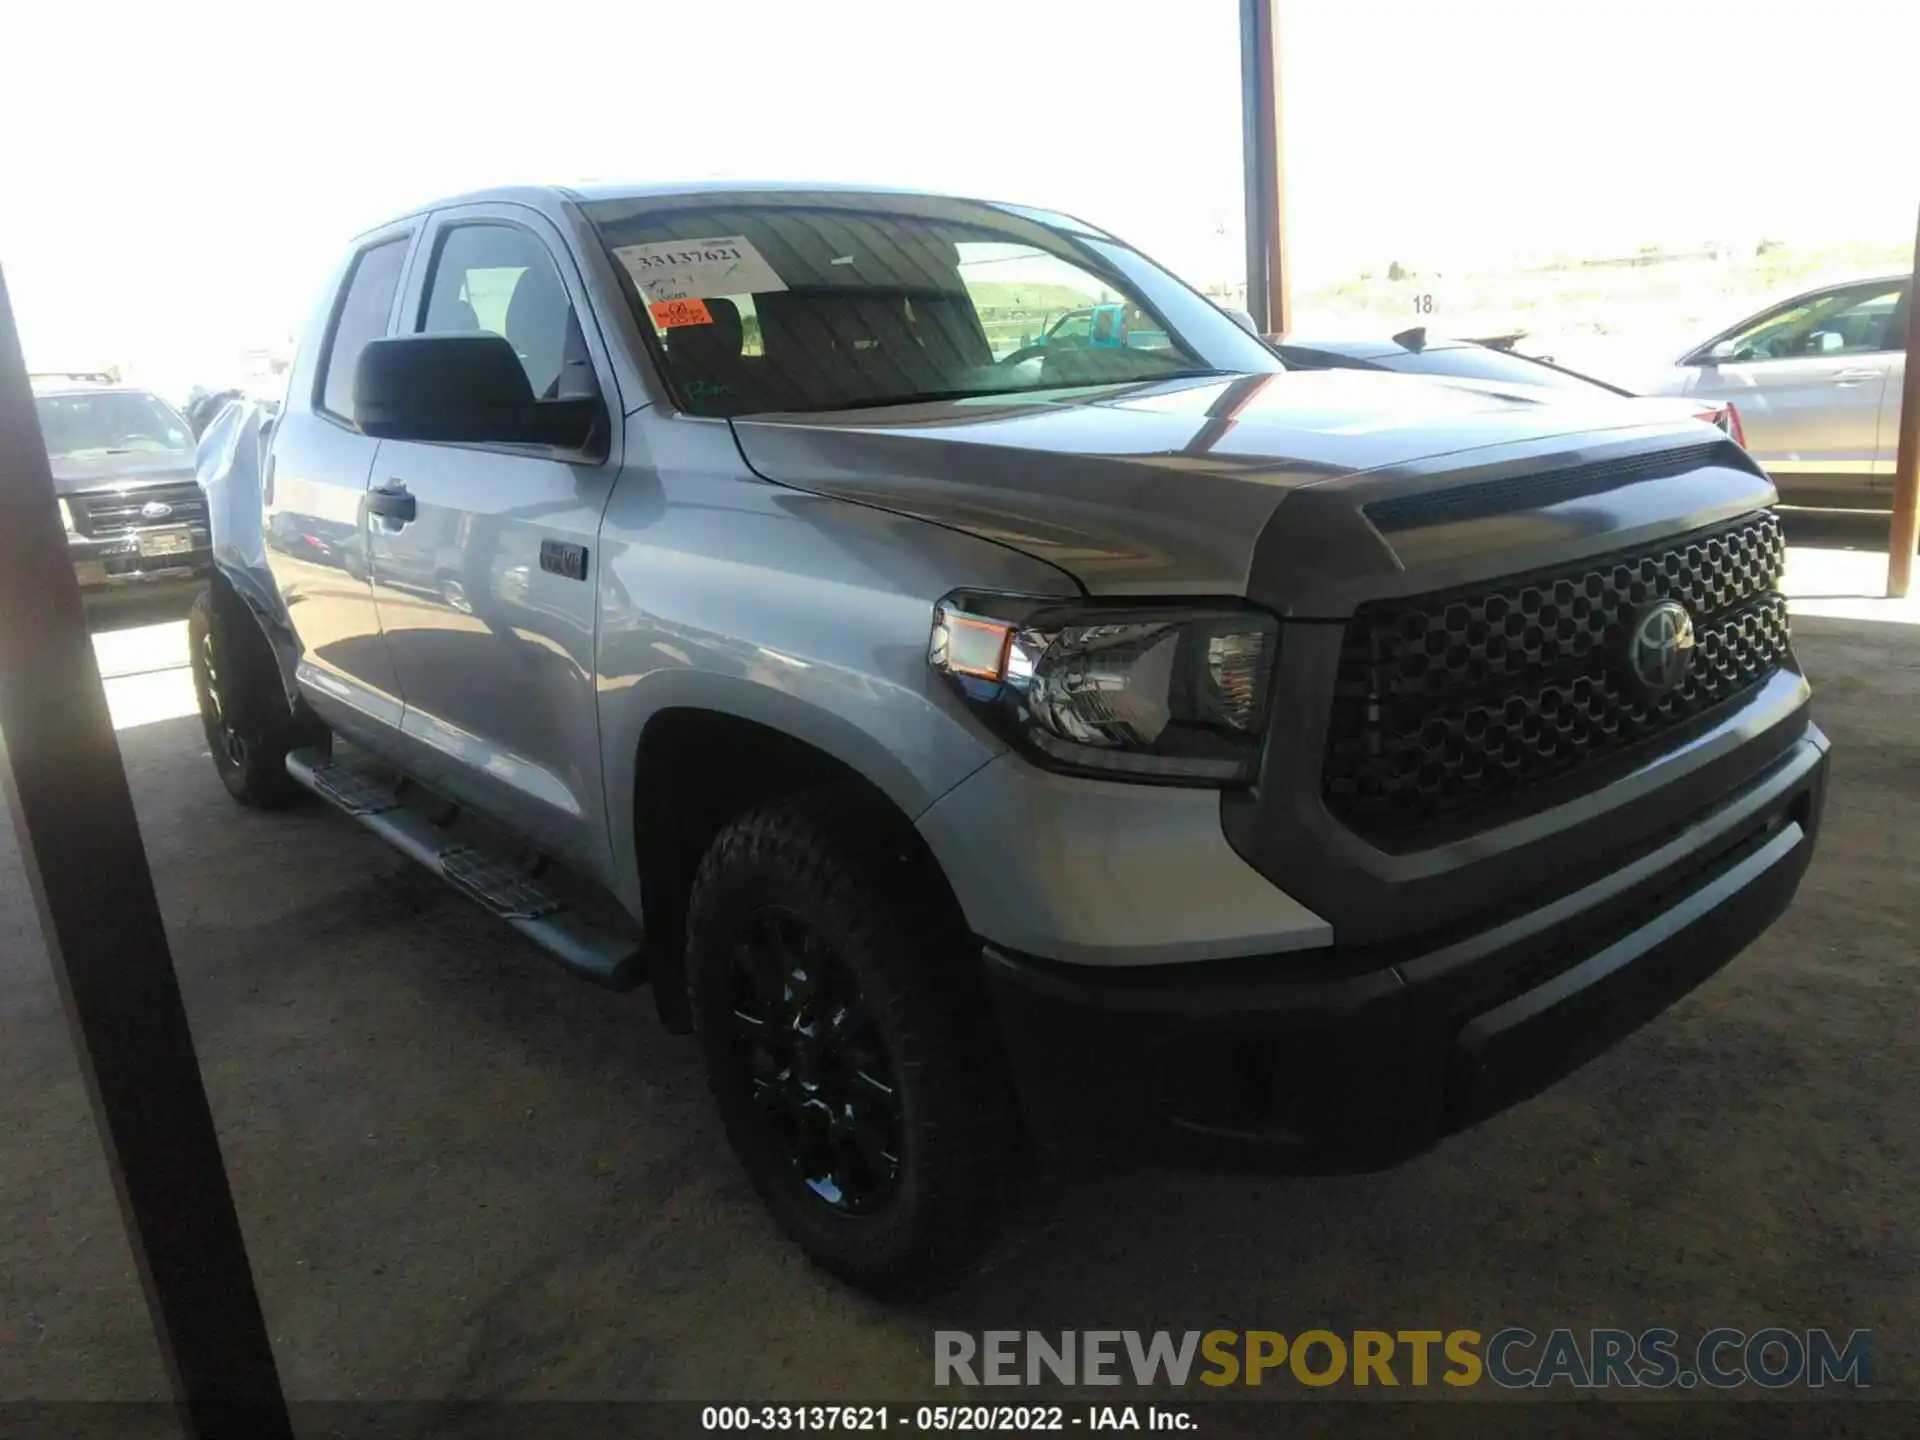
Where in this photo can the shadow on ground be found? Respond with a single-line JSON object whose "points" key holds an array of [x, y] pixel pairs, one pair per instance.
{"points": [[463, 1173]]}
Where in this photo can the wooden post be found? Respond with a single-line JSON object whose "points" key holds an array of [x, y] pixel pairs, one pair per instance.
{"points": [[81, 849], [1906, 466], [1269, 283]]}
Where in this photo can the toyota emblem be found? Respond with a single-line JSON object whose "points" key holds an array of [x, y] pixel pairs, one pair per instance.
{"points": [[155, 510], [1660, 649]]}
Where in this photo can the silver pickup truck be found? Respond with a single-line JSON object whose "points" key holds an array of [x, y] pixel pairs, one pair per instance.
{"points": [[1002, 753]]}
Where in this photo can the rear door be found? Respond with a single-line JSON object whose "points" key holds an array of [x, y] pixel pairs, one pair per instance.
{"points": [[314, 505], [486, 595], [1808, 379]]}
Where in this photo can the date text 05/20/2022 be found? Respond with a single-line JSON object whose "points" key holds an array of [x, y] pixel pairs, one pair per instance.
{"points": [[956, 1419]]}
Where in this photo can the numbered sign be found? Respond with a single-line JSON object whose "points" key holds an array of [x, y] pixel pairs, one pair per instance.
{"points": [[699, 269]]}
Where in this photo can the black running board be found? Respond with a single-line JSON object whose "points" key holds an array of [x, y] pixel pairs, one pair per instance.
{"points": [[616, 961]]}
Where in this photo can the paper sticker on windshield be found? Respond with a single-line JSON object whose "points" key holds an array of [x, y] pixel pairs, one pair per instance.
{"points": [[669, 313], [698, 269]]}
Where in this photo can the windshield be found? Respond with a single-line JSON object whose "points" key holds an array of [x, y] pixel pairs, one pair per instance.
{"points": [[837, 302], [111, 422]]}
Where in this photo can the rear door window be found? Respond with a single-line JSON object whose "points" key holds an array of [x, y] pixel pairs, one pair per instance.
{"points": [[363, 314]]}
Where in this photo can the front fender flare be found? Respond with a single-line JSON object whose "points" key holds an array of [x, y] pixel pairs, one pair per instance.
{"points": [[231, 465], [946, 747]]}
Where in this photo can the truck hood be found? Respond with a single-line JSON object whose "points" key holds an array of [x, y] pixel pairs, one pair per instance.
{"points": [[80, 474], [1169, 488]]}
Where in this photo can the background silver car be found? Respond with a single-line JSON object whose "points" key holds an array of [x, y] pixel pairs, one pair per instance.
{"points": [[1817, 382]]}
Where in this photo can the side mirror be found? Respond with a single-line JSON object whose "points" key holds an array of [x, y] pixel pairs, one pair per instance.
{"points": [[467, 388], [1244, 321], [1720, 350]]}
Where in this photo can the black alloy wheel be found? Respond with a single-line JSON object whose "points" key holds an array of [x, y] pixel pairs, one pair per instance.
{"points": [[221, 733], [848, 1039], [815, 1063], [249, 724]]}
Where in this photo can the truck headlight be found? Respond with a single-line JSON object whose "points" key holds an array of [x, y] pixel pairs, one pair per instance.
{"points": [[66, 519], [1174, 693]]}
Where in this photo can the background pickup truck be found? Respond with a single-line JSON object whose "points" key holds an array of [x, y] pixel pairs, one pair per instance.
{"points": [[1081, 757], [123, 466]]}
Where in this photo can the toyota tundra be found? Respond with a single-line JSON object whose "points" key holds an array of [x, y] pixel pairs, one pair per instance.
{"points": [[1002, 754]]}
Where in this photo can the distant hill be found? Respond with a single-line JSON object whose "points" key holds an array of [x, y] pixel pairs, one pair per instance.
{"points": [[1584, 312], [1011, 295]]}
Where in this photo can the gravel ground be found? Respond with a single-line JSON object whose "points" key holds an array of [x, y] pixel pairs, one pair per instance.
{"points": [[462, 1173]]}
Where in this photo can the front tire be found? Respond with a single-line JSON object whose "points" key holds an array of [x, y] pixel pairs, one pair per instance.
{"points": [[243, 709], [846, 1040]]}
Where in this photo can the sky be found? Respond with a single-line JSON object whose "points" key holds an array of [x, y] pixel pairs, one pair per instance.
{"points": [[191, 173]]}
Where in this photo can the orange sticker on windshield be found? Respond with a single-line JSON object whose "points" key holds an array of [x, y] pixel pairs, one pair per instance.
{"points": [[669, 313]]}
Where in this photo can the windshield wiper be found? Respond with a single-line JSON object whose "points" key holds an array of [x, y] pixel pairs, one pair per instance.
{"points": [[920, 397], [923, 397]]}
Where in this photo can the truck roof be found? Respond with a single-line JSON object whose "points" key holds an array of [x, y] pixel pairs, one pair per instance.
{"points": [[598, 190]]}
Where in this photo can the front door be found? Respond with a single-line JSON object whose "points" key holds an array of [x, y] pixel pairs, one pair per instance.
{"points": [[486, 594]]}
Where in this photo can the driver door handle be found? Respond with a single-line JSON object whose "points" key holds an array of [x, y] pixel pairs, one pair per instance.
{"points": [[1855, 376], [392, 501]]}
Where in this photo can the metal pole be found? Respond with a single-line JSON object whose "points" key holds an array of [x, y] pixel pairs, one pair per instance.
{"points": [[1906, 465], [81, 849], [1269, 289]]}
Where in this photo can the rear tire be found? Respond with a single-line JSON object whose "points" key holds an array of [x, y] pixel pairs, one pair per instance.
{"points": [[243, 707], [848, 1042]]}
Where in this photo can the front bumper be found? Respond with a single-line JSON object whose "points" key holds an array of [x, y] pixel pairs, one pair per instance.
{"points": [[1341, 1058], [111, 569]]}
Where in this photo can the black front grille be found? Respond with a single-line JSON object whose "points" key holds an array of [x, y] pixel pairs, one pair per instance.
{"points": [[1451, 702], [107, 514]]}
